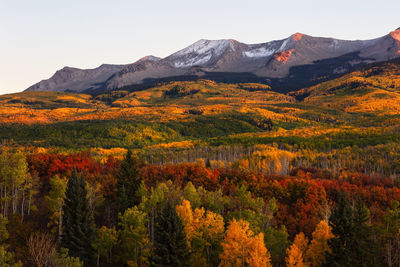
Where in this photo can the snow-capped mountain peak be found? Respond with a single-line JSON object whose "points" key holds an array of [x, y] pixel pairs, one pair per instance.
{"points": [[287, 59], [203, 46], [200, 53]]}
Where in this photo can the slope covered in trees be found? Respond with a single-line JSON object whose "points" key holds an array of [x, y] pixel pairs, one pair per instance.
{"points": [[204, 174], [200, 216]]}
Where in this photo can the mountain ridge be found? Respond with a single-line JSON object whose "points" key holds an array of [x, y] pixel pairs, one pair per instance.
{"points": [[272, 62]]}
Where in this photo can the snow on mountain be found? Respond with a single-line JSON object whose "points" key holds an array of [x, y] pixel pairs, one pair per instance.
{"points": [[259, 52], [199, 53], [274, 59], [271, 48], [204, 46], [199, 59]]}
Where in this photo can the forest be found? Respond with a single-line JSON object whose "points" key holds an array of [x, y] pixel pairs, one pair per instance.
{"points": [[73, 210], [200, 173]]}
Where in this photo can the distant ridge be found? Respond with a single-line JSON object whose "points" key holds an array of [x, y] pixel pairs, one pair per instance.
{"points": [[295, 61]]}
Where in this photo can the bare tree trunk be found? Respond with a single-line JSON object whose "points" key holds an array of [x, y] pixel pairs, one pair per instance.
{"points": [[60, 224], [13, 199], [22, 205], [5, 203], [29, 204]]}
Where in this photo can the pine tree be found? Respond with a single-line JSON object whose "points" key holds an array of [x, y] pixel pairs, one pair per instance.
{"points": [[353, 237], [170, 244], [341, 222], [391, 234], [78, 222], [365, 246], [129, 183]]}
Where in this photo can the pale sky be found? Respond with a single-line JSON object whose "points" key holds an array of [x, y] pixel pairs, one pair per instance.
{"points": [[38, 37]]}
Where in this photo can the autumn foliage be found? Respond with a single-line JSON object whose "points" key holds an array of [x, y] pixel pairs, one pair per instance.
{"points": [[241, 246]]}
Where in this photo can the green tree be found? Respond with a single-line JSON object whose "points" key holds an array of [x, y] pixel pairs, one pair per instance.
{"points": [[365, 245], [391, 235], [170, 244], [190, 193], [134, 244], [16, 184], [55, 201], [276, 241], [6, 257], [106, 239], [62, 259], [342, 223], [155, 201], [78, 222], [129, 183], [353, 240]]}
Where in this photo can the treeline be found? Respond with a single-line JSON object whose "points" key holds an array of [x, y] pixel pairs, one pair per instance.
{"points": [[70, 210], [280, 159]]}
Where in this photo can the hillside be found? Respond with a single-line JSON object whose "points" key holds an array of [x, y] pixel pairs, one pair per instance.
{"points": [[360, 108], [373, 89]]}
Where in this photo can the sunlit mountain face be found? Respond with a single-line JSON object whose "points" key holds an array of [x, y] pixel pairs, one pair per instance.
{"points": [[289, 64]]}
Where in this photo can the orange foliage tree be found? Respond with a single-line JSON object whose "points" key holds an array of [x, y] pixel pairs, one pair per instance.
{"points": [[204, 231], [319, 244], [295, 254], [242, 247]]}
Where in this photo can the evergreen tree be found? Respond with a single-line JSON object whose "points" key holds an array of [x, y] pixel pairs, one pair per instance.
{"points": [[129, 183], [78, 222], [352, 241], [365, 245], [208, 163], [170, 244], [391, 235], [341, 222]]}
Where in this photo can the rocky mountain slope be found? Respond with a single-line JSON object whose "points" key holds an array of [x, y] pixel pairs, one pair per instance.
{"points": [[298, 60], [76, 80]]}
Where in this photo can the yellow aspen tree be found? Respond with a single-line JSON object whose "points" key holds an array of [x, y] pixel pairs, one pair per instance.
{"points": [[301, 241], [204, 232], [259, 256], [184, 212], [319, 244], [241, 247], [294, 257]]}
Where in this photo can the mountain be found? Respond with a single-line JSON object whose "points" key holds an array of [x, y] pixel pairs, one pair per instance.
{"points": [[294, 62], [76, 80]]}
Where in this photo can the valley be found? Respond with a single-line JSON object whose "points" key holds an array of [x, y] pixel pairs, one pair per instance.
{"points": [[283, 153]]}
